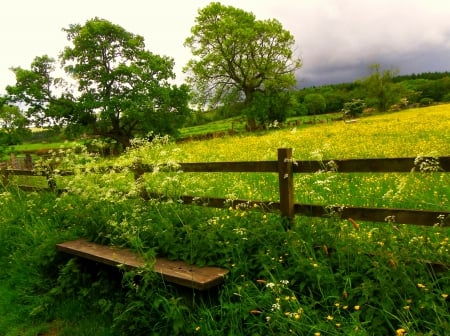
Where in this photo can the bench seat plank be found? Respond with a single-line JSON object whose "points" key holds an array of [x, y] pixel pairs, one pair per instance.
{"points": [[178, 272]]}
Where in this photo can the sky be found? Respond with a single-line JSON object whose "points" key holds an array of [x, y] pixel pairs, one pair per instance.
{"points": [[337, 40]]}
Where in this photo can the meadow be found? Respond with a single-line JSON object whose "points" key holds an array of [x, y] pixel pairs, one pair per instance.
{"points": [[325, 276]]}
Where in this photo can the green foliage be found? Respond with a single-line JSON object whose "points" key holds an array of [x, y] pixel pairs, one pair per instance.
{"points": [[426, 101], [315, 103], [325, 275], [125, 89], [13, 125], [436, 89], [241, 57], [380, 90], [36, 89], [353, 108], [335, 95]]}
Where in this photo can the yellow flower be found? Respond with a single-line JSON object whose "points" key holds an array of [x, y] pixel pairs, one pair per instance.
{"points": [[400, 332], [197, 328], [330, 318], [406, 307], [444, 296], [317, 334], [356, 307], [421, 285]]}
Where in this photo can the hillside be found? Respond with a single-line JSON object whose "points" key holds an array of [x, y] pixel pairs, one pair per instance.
{"points": [[381, 135]]}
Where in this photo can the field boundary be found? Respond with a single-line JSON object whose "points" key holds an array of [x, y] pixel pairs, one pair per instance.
{"points": [[286, 167]]}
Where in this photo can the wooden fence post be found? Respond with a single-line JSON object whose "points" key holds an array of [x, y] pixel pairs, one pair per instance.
{"points": [[28, 162], [13, 159], [286, 184]]}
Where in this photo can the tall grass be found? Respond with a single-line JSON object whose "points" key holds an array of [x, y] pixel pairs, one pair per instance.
{"points": [[325, 276]]}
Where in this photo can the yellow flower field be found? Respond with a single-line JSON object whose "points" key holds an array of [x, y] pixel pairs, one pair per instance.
{"points": [[409, 133], [401, 134]]}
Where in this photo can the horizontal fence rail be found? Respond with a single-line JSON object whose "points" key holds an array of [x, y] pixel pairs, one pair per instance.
{"points": [[286, 167]]}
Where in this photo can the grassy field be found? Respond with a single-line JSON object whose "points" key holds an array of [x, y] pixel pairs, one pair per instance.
{"points": [[325, 276], [238, 124]]}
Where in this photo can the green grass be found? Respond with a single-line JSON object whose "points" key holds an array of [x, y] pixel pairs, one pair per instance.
{"points": [[38, 146], [238, 124], [325, 275]]}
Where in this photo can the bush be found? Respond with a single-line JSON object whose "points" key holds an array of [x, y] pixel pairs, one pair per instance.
{"points": [[426, 102], [353, 108]]}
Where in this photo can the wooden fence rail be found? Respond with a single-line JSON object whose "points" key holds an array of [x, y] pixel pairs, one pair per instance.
{"points": [[286, 167]]}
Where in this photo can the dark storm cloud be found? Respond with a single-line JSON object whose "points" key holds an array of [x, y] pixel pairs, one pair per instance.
{"points": [[338, 40], [435, 59]]}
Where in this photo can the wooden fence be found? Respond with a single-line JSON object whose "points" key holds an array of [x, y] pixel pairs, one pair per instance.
{"points": [[286, 167], [18, 163]]}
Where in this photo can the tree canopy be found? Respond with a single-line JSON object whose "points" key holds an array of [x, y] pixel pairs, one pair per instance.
{"points": [[37, 89], [315, 103], [238, 58], [379, 88], [13, 125], [121, 89]]}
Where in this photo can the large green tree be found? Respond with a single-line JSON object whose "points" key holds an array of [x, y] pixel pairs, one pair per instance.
{"points": [[240, 58], [124, 89]]}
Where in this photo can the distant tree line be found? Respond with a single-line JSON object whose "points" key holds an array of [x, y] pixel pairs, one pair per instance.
{"points": [[381, 91]]}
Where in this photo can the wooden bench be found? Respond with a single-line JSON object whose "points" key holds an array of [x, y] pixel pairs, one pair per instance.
{"points": [[177, 272]]}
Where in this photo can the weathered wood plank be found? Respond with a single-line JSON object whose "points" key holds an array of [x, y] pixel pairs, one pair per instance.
{"points": [[396, 216], [26, 172], [221, 203], [178, 272], [401, 216], [218, 167], [387, 165], [22, 172], [231, 167]]}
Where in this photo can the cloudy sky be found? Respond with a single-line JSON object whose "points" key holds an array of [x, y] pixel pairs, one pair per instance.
{"points": [[336, 39]]}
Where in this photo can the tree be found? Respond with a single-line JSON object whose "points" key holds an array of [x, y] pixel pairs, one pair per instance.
{"points": [[125, 90], [239, 58], [121, 89], [381, 91], [353, 108], [315, 103], [36, 89], [13, 125]]}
